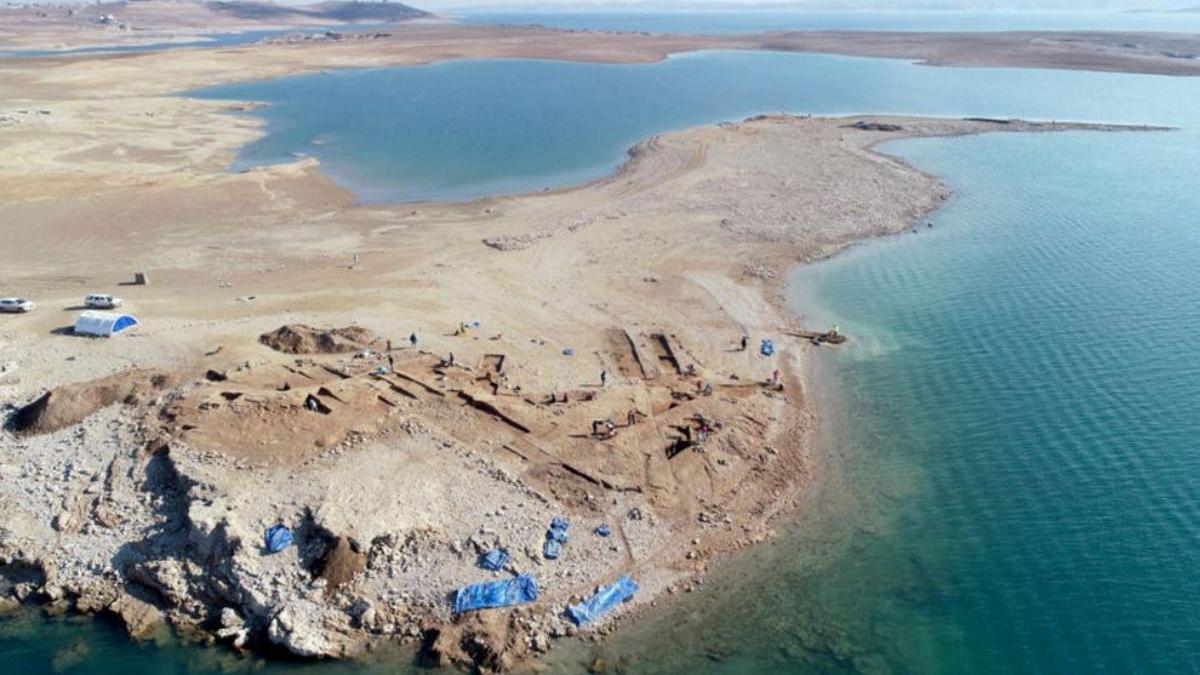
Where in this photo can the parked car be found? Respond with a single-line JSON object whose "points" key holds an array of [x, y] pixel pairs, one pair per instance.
{"points": [[16, 305], [101, 301]]}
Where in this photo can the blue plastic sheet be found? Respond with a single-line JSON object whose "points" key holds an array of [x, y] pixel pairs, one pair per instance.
{"points": [[517, 591], [556, 536], [767, 348], [277, 538], [602, 531], [602, 603], [494, 559]]}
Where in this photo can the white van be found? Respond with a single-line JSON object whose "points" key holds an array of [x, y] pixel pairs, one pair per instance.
{"points": [[101, 301]]}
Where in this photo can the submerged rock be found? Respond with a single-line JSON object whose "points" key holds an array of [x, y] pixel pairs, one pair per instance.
{"points": [[9, 605]]}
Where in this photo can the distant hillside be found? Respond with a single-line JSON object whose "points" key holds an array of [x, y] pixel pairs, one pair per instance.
{"points": [[381, 12]]}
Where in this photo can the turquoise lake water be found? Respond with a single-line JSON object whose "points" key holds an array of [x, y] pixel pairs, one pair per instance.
{"points": [[463, 129], [1010, 473]]}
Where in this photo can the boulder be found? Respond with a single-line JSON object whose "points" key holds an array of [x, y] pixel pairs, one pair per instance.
{"points": [[141, 619], [165, 577], [233, 628], [300, 627], [8, 605]]}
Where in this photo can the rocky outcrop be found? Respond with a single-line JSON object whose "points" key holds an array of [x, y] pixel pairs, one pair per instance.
{"points": [[311, 629], [141, 619], [233, 628]]}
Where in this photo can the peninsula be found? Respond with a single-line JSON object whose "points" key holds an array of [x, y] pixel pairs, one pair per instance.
{"points": [[408, 387]]}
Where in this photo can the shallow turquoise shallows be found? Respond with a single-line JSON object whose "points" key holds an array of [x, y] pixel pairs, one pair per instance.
{"points": [[1009, 471]]}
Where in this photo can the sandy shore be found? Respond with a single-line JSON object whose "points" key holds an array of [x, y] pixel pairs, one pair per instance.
{"points": [[146, 480]]}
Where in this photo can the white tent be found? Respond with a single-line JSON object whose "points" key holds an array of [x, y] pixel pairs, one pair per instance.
{"points": [[103, 324]]}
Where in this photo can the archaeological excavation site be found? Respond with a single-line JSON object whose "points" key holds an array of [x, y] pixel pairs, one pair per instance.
{"points": [[343, 490]]}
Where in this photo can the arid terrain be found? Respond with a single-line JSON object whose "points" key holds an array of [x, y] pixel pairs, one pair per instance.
{"points": [[133, 22], [141, 471], [406, 34]]}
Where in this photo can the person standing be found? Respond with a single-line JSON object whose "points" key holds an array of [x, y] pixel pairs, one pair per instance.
{"points": [[604, 378], [412, 340]]}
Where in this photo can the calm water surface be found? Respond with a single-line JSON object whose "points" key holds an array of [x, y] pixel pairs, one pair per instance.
{"points": [[1010, 478], [463, 129]]}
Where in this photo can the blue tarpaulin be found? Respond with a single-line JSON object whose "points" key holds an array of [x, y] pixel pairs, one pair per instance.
{"points": [[602, 602], [556, 536], [767, 348], [277, 538], [494, 559], [516, 591], [602, 531]]}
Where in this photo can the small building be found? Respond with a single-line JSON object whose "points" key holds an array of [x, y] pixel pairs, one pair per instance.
{"points": [[103, 324]]}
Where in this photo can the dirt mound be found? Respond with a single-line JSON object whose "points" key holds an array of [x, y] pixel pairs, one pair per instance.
{"points": [[73, 403], [301, 339], [342, 562], [485, 639]]}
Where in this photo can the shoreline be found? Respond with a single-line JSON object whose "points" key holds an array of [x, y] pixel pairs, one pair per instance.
{"points": [[627, 165], [692, 275], [1157, 53]]}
